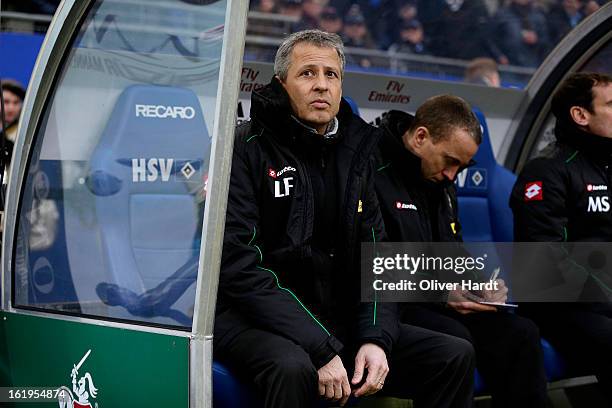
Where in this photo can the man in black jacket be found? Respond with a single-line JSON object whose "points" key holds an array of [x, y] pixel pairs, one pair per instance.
{"points": [[565, 196], [417, 161], [301, 200]]}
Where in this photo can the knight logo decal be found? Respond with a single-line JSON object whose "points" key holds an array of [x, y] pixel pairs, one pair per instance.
{"points": [[534, 191], [83, 389]]}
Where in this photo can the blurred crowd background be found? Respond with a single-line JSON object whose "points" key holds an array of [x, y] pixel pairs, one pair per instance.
{"points": [[512, 32], [437, 38]]}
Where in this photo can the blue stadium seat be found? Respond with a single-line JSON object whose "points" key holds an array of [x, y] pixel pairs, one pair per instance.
{"points": [[147, 175], [229, 392], [555, 365], [483, 192]]}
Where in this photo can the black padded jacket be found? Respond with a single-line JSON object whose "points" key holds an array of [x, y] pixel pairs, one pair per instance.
{"points": [[413, 209], [269, 276], [564, 195]]}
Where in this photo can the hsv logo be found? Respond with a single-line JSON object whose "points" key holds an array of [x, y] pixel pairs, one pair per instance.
{"points": [[164, 112], [533, 191], [188, 170], [83, 389], [597, 187], [474, 177], [598, 204], [158, 169], [151, 169], [405, 206]]}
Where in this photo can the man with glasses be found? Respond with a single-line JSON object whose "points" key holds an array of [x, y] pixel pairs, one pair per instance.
{"points": [[417, 162]]}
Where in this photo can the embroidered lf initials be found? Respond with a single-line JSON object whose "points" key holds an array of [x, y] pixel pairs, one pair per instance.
{"points": [[285, 186]]}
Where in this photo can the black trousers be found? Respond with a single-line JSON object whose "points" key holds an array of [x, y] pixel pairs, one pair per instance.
{"points": [[508, 351], [582, 333], [433, 369]]}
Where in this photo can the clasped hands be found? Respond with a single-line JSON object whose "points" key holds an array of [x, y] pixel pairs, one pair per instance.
{"points": [[333, 379]]}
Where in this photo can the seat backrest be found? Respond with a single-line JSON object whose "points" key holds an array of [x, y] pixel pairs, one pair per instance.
{"points": [[483, 192], [148, 175]]}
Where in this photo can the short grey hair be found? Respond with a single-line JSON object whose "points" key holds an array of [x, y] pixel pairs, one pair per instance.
{"points": [[315, 37]]}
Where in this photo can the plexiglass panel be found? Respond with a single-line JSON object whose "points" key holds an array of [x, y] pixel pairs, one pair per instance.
{"points": [[111, 210]]}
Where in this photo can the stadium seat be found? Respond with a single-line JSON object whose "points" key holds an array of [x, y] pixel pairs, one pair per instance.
{"points": [[483, 192], [230, 392], [147, 175]]}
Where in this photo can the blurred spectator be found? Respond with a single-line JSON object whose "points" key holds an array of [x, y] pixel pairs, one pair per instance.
{"points": [[267, 6], [291, 8], [564, 16], [520, 34], [428, 12], [408, 10], [412, 39], [482, 71], [380, 17], [311, 14], [265, 26], [356, 34], [13, 95], [460, 29], [330, 21], [592, 6]]}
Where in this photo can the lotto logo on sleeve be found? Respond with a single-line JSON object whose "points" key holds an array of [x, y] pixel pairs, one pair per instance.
{"points": [[533, 191]]}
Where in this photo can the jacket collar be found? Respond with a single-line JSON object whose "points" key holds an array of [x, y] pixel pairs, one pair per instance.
{"points": [[395, 124], [585, 142]]}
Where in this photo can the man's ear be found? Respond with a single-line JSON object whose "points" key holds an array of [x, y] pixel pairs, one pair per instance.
{"points": [[283, 83], [580, 115], [415, 140], [421, 135]]}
